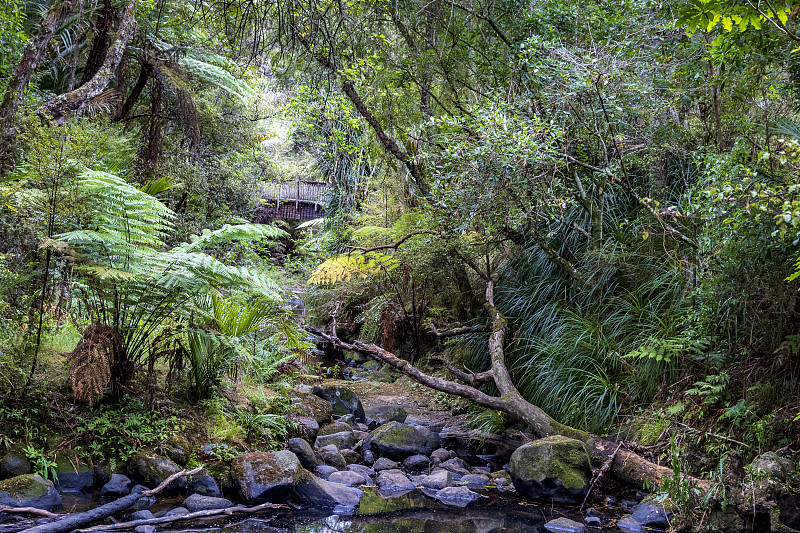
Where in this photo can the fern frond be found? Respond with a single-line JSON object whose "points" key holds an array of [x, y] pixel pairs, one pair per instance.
{"points": [[218, 76], [344, 267], [228, 233]]}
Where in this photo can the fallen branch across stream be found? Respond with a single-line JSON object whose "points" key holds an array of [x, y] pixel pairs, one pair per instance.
{"points": [[191, 516], [71, 522], [28, 510]]}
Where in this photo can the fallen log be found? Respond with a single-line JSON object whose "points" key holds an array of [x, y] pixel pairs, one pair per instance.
{"points": [[78, 520], [28, 510], [627, 466], [191, 516]]}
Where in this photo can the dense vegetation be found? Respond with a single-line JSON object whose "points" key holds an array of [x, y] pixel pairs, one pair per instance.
{"points": [[625, 173]]}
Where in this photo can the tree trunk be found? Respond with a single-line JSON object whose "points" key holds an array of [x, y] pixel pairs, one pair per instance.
{"points": [[31, 58], [626, 465], [59, 107], [144, 74], [100, 43]]}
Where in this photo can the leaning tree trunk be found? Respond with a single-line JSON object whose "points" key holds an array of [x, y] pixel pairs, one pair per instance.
{"points": [[626, 465], [31, 57], [59, 107]]}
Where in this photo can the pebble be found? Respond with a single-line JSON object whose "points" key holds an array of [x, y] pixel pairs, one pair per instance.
{"points": [[564, 525]]}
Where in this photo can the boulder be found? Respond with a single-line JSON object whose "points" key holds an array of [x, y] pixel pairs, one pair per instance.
{"points": [[342, 400], [336, 427], [440, 455], [144, 501], [348, 419], [365, 471], [773, 465], [203, 484], [304, 453], [628, 524], [15, 463], [351, 456], [307, 428], [262, 476], [150, 470], [383, 414], [369, 457], [417, 463], [142, 515], [397, 441], [198, 502], [394, 481], [324, 471], [324, 494], [310, 406], [554, 468], [501, 479], [343, 439], [564, 525], [330, 455], [70, 480], [29, 490], [456, 465], [457, 496], [438, 479], [475, 481], [119, 485], [384, 464], [651, 515], [348, 477]]}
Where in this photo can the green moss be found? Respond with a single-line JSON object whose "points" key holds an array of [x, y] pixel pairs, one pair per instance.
{"points": [[28, 486], [559, 458]]}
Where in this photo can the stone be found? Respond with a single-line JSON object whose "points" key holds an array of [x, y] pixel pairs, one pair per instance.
{"points": [[302, 449], [417, 463], [324, 471], [310, 406], [347, 477], [142, 515], [198, 502], [371, 366], [383, 414], [307, 428], [360, 435], [438, 479], [360, 426], [593, 521], [344, 439], [68, 480], [330, 455], [554, 468], [564, 525], [397, 441], [440, 455], [342, 399], [348, 419], [628, 524], [365, 471], [369, 457], [456, 465], [351, 457], [203, 484], [773, 465], [324, 494], [336, 427], [178, 511], [29, 490], [119, 485], [457, 496], [150, 470], [475, 481], [394, 481], [144, 529], [262, 476], [651, 515], [15, 463], [382, 377], [384, 463], [501, 478]]}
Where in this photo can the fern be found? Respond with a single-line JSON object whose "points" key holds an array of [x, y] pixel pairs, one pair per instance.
{"points": [[345, 267]]}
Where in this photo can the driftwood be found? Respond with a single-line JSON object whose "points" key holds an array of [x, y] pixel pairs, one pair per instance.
{"points": [[28, 510], [626, 465], [78, 520], [191, 516]]}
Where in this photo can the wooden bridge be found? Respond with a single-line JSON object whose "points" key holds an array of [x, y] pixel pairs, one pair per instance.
{"points": [[296, 200]]}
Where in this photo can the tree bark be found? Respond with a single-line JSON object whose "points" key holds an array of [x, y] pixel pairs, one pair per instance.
{"points": [[59, 107], [31, 58], [626, 465], [100, 43], [145, 72]]}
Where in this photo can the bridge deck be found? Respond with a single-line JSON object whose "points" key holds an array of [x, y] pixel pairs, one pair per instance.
{"points": [[297, 200]]}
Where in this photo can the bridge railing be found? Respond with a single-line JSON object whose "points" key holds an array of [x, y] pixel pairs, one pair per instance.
{"points": [[297, 191]]}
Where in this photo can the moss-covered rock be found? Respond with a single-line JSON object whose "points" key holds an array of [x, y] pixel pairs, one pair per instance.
{"points": [[336, 427], [397, 441], [307, 405], [150, 470], [383, 414], [29, 490], [342, 400], [266, 476], [74, 476], [343, 439], [554, 468], [14, 463]]}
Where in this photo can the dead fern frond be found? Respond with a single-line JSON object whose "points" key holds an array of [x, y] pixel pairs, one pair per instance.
{"points": [[91, 362]]}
